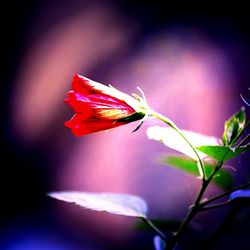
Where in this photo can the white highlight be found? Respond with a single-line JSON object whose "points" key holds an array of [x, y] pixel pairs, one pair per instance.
{"points": [[173, 140], [122, 204]]}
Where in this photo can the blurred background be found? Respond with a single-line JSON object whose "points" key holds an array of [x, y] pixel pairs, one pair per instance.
{"points": [[192, 61]]}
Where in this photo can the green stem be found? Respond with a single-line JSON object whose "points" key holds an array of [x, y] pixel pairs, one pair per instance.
{"points": [[157, 230], [204, 203], [172, 125], [193, 210], [205, 181], [221, 204], [196, 207]]}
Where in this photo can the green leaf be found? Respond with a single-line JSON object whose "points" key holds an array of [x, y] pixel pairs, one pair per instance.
{"points": [[170, 225], [172, 139], [233, 128], [223, 153], [122, 204], [223, 178]]}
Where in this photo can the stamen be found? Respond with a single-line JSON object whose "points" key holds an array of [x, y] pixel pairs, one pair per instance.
{"points": [[145, 103], [244, 100], [136, 96], [142, 93]]}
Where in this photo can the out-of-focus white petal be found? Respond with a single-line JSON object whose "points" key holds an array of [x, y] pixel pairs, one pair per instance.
{"points": [[173, 140], [113, 203]]}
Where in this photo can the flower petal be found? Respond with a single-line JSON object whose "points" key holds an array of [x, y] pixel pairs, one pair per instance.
{"points": [[99, 107], [77, 119], [86, 86], [78, 102], [110, 108], [82, 127], [79, 85]]}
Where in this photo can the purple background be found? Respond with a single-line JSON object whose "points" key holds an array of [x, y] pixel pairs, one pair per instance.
{"points": [[192, 61]]}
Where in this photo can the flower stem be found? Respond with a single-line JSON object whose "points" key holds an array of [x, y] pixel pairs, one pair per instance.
{"points": [[221, 204], [172, 125], [193, 210], [204, 203], [196, 206], [157, 230]]}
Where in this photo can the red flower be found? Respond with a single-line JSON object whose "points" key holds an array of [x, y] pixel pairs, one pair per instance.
{"points": [[99, 107]]}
